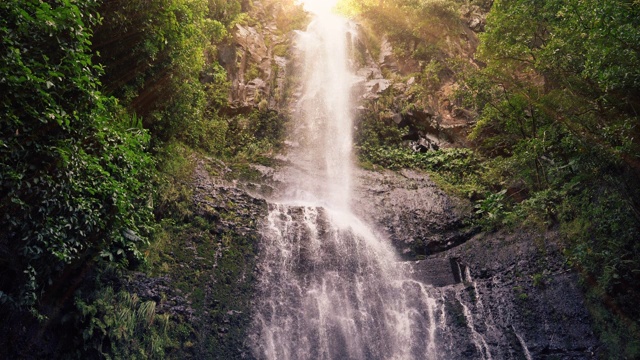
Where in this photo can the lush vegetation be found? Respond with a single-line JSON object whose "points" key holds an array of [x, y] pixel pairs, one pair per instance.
{"points": [[557, 95], [380, 144], [416, 26], [75, 174], [558, 104], [105, 107], [107, 104]]}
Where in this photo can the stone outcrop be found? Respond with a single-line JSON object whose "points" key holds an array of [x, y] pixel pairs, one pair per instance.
{"points": [[418, 217], [519, 299], [430, 109], [206, 281], [255, 67], [475, 16]]}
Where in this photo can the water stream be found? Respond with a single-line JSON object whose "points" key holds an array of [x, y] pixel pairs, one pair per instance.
{"points": [[329, 286]]}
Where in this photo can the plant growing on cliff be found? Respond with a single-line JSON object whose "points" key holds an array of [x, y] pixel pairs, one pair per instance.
{"points": [[120, 325]]}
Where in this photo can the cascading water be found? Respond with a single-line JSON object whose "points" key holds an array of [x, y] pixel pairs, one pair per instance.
{"points": [[324, 138], [329, 287]]}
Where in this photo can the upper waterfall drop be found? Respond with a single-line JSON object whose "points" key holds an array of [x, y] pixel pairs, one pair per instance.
{"points": [[324, 111]]}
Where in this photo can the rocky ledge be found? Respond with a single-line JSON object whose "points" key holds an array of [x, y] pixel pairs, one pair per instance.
{"points": [[418, 217]]}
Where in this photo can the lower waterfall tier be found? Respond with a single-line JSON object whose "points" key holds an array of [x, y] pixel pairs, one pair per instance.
{"points": [[331, 289]]}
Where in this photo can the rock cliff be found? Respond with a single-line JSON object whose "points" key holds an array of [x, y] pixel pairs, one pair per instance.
{"points": [[505, 295]]}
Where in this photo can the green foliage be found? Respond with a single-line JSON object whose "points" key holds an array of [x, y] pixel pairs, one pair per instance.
{"points": [[491, 209], [539, 280], [558, 103], [618, 333], [154, 56], [430, 77], [540, 72], [375, 130], [77, 183], [121, 326], [74, 176], [225, 11], [602, 229], [604, 232], [460, 162], [255, 134], [174, 192], [417, 28], [379, 143]]}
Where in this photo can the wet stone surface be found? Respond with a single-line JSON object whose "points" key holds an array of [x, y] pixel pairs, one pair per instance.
{"points": [[418, 217], [504, 295]]}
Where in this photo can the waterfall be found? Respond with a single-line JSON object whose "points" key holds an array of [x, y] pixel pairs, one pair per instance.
{"points": [[324, 137], [329, 287]]}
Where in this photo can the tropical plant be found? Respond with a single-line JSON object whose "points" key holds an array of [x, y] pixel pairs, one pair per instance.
{"points": [[75, 178]]}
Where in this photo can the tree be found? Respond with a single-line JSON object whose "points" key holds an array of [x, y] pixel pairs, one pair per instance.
{"points": [[75, 179], [558, 108]]}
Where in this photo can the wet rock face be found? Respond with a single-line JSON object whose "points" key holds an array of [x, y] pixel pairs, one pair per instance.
{"points": [[418, 218], [516, 300], [206, 280], [503, 295]]}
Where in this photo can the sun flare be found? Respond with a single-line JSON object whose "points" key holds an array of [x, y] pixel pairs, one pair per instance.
{"points": [[319, 6]]}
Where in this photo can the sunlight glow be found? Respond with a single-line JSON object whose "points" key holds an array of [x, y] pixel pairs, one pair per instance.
{"points": [[318, 6]]}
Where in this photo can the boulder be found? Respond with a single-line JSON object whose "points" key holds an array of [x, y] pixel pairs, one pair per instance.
{"points": [[477, 24], [387, 59], [252, 43], [418, 218]]}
